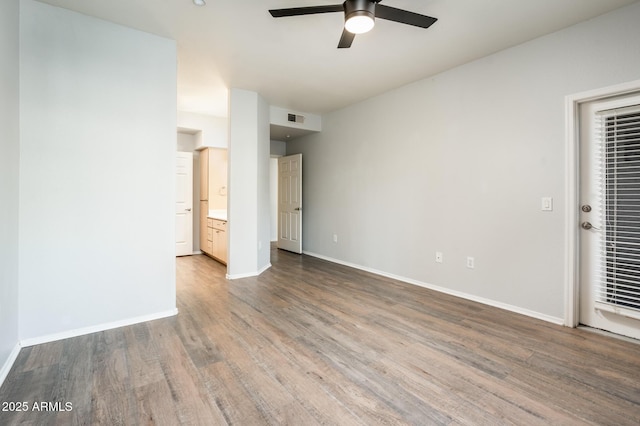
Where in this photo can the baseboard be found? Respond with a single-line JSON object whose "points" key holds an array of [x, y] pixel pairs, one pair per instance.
{"points": [[462, 295], [264, 268], [6, 368], [248, 274], [96, 328]]}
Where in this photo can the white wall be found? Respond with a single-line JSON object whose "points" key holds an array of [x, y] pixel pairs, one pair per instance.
{"points": [[186, 142], [278, 148], [97, 160], [248, 184], [212, 131], [458, 163], [264, 185], [9, 172]]}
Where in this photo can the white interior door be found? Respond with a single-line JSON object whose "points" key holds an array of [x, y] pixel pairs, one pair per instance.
{"points": [[610, 215], [184, 204], [290, 203]]}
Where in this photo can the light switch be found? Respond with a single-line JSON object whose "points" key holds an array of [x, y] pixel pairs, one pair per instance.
{"points": [[547, 204]]}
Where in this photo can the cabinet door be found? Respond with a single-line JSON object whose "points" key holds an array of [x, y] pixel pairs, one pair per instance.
{"points": [[204, 174], [218, 178], [220, 245], [204, 210]]}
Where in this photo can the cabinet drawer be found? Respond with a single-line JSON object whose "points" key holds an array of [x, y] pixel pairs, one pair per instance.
{"points": [[209, 222], [219, 224]]}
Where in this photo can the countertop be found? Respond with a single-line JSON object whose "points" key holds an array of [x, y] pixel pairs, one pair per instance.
{"points": [[217, 214]]}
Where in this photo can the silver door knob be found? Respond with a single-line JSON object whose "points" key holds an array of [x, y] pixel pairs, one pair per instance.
{"points": [[298, 208], [187, 210], [586, 225]]}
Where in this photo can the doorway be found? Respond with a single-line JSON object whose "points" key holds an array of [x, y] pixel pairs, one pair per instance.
{"points": [[607, 213]]}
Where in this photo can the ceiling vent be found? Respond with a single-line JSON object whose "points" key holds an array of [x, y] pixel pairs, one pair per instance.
{"points": [[294, 118]]}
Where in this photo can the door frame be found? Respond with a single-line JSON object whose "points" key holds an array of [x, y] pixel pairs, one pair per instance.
{"points": [[572, 182]]}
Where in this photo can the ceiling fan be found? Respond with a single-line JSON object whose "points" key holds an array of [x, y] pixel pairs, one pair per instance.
{"points": [[359, 16]]}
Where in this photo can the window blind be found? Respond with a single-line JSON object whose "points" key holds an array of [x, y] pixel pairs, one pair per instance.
{"points": [[618, 283]]}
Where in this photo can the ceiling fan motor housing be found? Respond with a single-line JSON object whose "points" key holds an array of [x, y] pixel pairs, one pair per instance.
{"points": [[359, 8]]}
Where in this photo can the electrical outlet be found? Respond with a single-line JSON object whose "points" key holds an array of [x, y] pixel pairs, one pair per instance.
{"points": [[335, 238], [471, 263], [439, 257], [546, 204]]}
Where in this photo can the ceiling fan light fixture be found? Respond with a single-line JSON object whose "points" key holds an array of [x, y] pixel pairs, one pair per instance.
{"points": [[359, 22], [359, 16]]}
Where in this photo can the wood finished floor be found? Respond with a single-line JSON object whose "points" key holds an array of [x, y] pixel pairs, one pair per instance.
{"points": [[310, 342]]}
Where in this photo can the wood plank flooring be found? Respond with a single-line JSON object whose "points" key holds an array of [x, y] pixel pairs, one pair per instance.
{"points": [[310, 342]]}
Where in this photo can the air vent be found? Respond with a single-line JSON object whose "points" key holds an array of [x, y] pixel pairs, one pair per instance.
{"points": [[293, 118]]}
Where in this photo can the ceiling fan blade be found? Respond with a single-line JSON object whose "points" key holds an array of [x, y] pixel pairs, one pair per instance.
{"points": [[346, 39], [404, 16], [311, 10]]}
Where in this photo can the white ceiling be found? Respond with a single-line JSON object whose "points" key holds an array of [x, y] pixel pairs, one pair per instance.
{"points": [[294, 63]]}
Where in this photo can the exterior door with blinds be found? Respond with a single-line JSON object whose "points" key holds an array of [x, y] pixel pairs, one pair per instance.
{"points": [[610, 215]]}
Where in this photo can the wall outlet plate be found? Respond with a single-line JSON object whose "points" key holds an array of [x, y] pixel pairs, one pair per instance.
{"points": [[471, 262]]}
